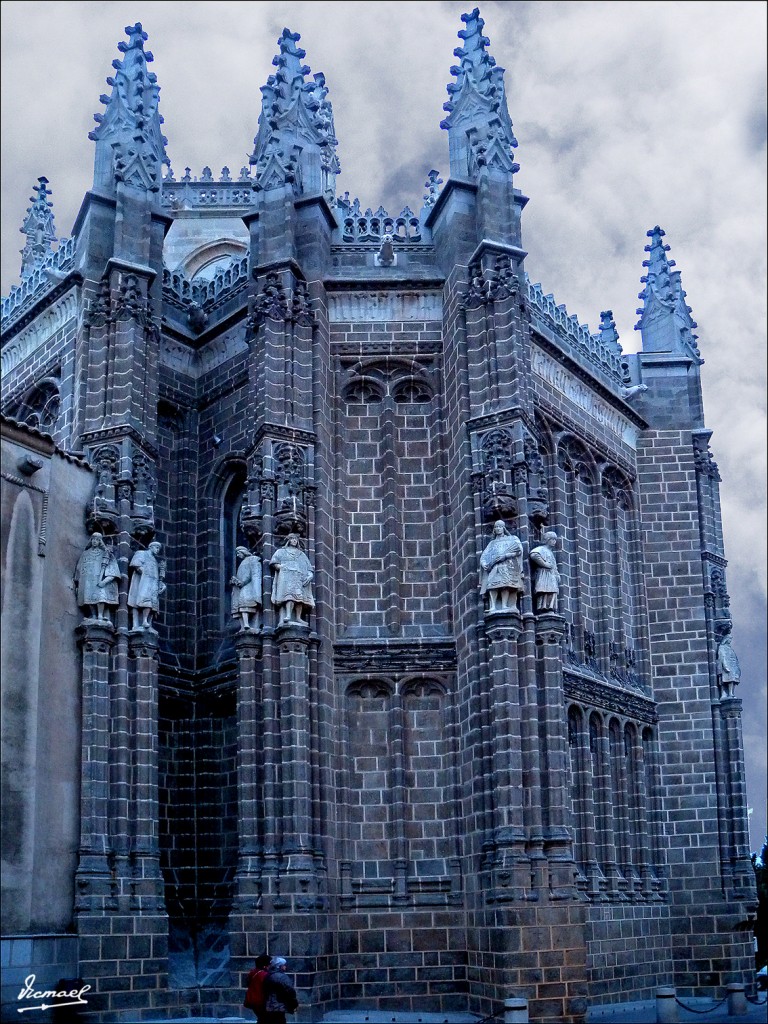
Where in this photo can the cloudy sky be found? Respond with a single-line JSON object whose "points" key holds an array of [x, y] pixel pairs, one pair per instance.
{"points": [[627, 114]]}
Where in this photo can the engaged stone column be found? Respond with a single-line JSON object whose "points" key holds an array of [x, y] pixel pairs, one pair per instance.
{"points": [[741, 864], [147, 885], [511, 866], [249, 740], [558, 844], [299, 880], [93, 885]]}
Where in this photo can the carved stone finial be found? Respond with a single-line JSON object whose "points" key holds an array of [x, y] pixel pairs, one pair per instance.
{"points": [[432, 185], [609, 336], [665, 319], [296, 141], [130, 144], [477, 107], [38, 227]]}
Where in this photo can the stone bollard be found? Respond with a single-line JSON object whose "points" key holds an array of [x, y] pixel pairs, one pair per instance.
{"points": [[516, 1011], [666, 1007], [737, 1000]]}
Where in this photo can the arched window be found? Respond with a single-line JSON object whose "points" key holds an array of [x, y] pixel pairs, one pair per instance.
{"points": [[40, 406]]}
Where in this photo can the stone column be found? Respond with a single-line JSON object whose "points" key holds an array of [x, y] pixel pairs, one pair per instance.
{"points": [[147, 884], [511, 866], [248, 645], [741, 864], [641, 818], [299, 881], [93, 883], [558, 841], [595, 877], [615, 880], [397, 761]]}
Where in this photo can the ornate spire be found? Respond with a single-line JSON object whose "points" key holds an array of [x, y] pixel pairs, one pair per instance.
{"points": [[478, 120], [609, 336], [296, 142], [432, 185], [38, 227], [130, 146], [665, 319]]}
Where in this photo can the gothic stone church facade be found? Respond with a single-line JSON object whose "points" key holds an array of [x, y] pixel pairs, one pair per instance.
{"points": [[427, 783]]}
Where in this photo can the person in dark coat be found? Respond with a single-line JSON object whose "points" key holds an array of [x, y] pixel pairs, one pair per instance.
{"points": [[280, 993]]}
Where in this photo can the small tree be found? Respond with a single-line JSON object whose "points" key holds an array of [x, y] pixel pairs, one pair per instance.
{"points": [[760, 864]]}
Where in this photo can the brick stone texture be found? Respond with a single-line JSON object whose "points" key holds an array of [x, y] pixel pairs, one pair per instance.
{"points": [[421, 805]]}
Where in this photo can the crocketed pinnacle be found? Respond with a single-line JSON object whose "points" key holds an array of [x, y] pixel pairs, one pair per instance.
{"points": [[287, 83], [132, 118], [38, 227], [296, 140], [477, 103], [665, 319]]}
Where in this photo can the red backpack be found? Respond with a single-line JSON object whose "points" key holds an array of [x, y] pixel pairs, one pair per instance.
{"points": [[255, 997]]}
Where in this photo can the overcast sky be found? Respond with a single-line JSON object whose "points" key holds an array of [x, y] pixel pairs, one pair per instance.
{"points": [[627, 114]]}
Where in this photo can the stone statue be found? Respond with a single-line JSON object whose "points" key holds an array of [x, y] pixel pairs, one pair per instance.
{"points": [[502, 570], [292, 590], [633, 391], [246, 588], [146, 585], [728, 668], [546, 580], [96, 578], [386, 256]]}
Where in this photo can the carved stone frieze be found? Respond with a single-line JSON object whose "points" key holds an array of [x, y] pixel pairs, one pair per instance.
{"points": [[583, 397], [394, 658], [380, 306], [595, 693]]}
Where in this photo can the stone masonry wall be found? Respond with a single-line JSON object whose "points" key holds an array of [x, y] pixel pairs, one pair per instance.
{"points": [[689, 780]]}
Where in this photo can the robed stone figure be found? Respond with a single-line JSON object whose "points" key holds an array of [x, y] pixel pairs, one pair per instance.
{"points": [[501, 565], [292, 589], [546, 578], [96, 579], [146, 586], [246, 588], [728, 668]]}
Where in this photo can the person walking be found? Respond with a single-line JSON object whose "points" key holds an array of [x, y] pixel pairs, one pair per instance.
{"points": [[280, 994], [255, 997]]}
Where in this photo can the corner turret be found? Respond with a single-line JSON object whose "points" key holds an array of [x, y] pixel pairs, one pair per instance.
{"points": [[130, 146], [38, 227], [668, 363], [479, 201]]}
